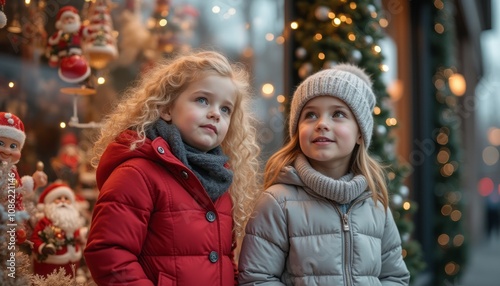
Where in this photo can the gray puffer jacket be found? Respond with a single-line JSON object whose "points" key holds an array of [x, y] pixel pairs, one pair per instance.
{"points": [[297, 236]]}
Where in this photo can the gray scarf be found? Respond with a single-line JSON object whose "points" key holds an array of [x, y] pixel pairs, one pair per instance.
{"points": [[342, 191], [208, 167]]}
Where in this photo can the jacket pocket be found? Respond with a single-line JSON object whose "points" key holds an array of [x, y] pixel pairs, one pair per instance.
{"points": [[166, 280]]}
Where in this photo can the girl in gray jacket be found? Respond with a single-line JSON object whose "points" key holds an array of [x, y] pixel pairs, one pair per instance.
{"points": [[323, 218]]}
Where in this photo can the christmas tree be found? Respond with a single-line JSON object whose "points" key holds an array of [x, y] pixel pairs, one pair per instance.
{"points": [[448, 208], [328, 32]]}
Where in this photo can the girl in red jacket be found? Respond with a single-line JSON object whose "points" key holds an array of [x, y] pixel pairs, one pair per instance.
{"points": [[177, 173]]}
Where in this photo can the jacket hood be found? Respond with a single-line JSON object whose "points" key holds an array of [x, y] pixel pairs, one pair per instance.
{"points": [[119, 151], [288, 175]]}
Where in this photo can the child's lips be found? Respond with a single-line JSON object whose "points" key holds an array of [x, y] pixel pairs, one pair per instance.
{"points": [[211, 127], [322, 140]]}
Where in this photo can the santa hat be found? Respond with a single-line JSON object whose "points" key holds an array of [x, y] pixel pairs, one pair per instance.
{"points": [[69, 139], [12, 127], [66, 11], [54, 191]]}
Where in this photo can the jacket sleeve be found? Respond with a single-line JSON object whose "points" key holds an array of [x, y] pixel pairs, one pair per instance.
{"points": [[394, 271], [265, 245], [118, 229]]}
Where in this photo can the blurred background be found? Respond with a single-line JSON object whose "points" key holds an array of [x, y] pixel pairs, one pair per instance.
{"points": [[434, 65]]}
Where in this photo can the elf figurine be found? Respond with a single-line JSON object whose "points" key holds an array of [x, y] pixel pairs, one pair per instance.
{"points": [[65, 46], [12, 138]]}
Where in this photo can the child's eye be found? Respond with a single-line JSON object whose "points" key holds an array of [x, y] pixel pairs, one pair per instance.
{"points": [[226, 110], [13, 146], [310, 115], [202, 100], [339, 114], [1, 143]]}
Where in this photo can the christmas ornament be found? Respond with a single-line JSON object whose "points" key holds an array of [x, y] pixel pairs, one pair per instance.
{"points": [[301, 53], [65, 48], [3, 17], [356, 56], [381, 130], [100, 45], [322, 12]]}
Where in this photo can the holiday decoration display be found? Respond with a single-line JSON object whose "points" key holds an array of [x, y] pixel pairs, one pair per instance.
{"points": [[100, 45], [449, 232], [59, 236], [15, 194], [334, 31], [65, 46], [67, 162], [3, 17]]}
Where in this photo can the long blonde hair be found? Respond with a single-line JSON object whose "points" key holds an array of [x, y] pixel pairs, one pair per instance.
{"points": [[158, 89], [362, 164]]}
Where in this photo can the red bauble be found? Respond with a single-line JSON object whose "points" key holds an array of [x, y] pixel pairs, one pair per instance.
{"points": [[74, 69], [21, 235]]}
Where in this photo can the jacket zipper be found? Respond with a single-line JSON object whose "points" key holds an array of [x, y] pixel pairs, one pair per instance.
{"points": [[348, 238]]}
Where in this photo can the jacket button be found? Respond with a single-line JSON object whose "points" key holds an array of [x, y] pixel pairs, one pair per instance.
{"points": [[184, 174], [213, 256], [210, 215], [161, 150]]}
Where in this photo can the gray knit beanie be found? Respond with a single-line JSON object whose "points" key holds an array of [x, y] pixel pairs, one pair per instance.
{"points": [[346, 82]]}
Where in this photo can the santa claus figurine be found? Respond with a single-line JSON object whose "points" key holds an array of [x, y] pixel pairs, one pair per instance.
{"points": [[58, 237], [65, 46], [12, 138]]}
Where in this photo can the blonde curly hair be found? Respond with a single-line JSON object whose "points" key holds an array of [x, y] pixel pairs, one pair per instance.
{"points": [[158, 89]]}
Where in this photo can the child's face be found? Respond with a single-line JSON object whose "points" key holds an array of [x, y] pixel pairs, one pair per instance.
{"points": [[9, 150], [328, 133], [202, 113]]}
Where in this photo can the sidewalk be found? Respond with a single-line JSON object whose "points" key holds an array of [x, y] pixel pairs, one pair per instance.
{"points": [[483, 267]]}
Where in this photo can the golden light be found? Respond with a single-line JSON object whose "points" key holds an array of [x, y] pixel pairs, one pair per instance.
{"points": [[162, 22], [11, 84], [27, 2], [321, 56], [374, 14], [439, 28], [351, 37], [458, 240], [101, 80], [342, 18], [336, 22], [269, 37], [280, 40], [62, 125], [395, 90], [494, 136], [406, 206], [384, 68], [353, 5], [331, 15], [294, 25], [376, 110], [318, 37], [490, 155], [442, 138], [216, 9], [383, 23], [377, 49], [457, 84], [267, 89], [455, 215], [280, 98], [439, 4], [443, 239], [443, 156], [451, 268], [348, 21], [447, 170], [391, 121], [446, 210]]}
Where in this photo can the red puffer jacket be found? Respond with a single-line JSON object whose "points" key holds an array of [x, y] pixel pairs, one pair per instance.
{"points": [[154, 223]]}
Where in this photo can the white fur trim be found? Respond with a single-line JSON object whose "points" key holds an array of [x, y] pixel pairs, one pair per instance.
{"points": [[70, 256], [13, 133], [57, 192], [28, 184], [41, 247]]}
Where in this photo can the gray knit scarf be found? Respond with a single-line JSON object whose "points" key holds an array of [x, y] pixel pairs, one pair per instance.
{"points": [[207, 166], [343, 191]]}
